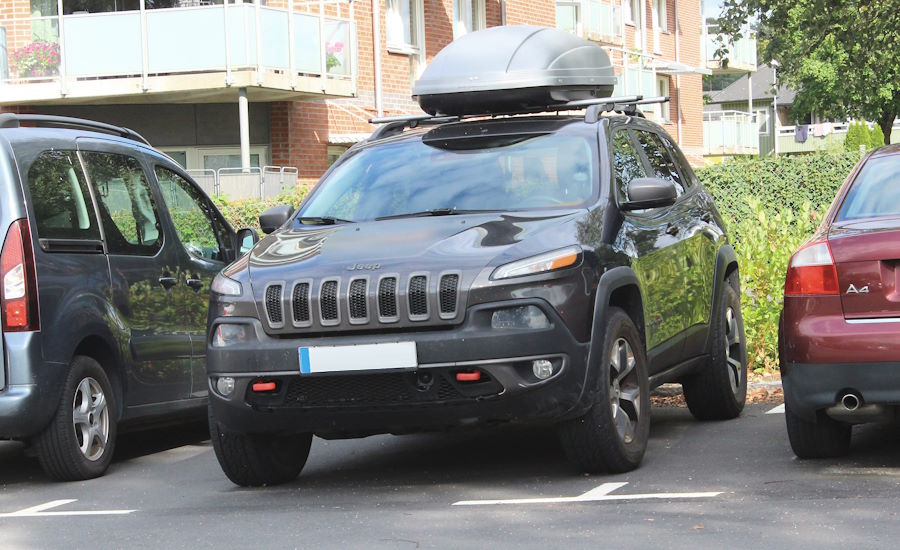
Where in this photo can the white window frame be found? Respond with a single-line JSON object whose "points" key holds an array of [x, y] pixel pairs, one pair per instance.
{"points": [[194, 155], [662, 89], [579, 14], [633, 12], [395, 21], [468, 16], [660, 15]]}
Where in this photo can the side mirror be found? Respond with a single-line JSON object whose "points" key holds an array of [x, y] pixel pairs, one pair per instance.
{"points": [[244, 240], [646, 193], [274, 217]]}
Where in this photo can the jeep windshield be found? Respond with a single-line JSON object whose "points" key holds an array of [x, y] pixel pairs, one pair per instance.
{"points": [[415, 178]]}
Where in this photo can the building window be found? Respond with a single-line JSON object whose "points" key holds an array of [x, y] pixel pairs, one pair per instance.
{"points": [[468, 16], [633, 12], [661, 20], [762, 120], [335, 152], [405, 32], [568, 17], [662, 89]]}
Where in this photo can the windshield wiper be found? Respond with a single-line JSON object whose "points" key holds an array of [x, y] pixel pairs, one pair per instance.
{"points": [[321, 220], [432, 212]]}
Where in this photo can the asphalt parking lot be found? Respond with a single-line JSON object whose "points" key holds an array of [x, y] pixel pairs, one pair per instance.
{"points": [[728, 484]]}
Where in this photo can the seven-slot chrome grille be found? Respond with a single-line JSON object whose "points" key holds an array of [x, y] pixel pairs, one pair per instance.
{"points": [[361, 301]]}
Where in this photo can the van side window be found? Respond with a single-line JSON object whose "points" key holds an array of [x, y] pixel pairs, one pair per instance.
{"points": [[127, 209], [626, 163], [660, 159], [199, 229], [60, 198]]}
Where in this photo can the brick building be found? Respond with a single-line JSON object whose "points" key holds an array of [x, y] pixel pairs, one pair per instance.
{"points": [[293, 82]]}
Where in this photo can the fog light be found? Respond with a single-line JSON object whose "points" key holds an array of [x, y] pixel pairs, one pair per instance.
{"points": [[522, 317], [225, 386], [542, 369]]}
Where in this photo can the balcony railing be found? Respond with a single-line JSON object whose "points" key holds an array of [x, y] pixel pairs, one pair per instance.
{"points": [[636, 76], [594, 19], [828, 136], [276, 47], [730, 133], [741, 53]]}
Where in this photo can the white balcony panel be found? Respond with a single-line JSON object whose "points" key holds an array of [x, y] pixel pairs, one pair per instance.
{"points": [[186, 40], [306, 44], [103, 45], [276, 46]]}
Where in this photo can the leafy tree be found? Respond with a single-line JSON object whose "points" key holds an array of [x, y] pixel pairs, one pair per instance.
{"points": [[841, 56]]}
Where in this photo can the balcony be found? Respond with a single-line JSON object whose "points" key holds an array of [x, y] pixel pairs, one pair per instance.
{"points": [[730, 133], [741, 53], [185, 54], [819, 137], [592, 19]]}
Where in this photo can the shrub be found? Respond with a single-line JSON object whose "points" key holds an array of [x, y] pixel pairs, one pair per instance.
{"points": [[243, 213], [857, 134], [876, 137]]}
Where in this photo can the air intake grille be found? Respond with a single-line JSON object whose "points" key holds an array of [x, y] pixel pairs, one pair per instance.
{"points": [[358, 307], [328, 301], [273, 305], [447, 293], [418, 296], [387, 298], [300, 299]]}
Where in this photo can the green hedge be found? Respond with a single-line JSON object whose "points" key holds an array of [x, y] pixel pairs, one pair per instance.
{"points": [[771, 206]]}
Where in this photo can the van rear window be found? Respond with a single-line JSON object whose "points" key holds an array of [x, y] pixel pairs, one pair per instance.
{"points": [[875, 192], [60, 197]]}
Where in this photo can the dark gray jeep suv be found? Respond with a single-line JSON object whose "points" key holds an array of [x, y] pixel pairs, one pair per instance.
{"points": [[108, 252], [476, 270]]}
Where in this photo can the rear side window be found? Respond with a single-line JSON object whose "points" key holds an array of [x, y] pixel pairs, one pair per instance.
{"points": [[875, 192], [60, 198], [661, 161], [626, 162], [129, 214]]}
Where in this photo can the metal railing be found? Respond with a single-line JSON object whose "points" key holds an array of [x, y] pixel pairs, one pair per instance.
{"points": [[227, 38], [254, 183], [637, 76], [730, 133], [741, 53]]}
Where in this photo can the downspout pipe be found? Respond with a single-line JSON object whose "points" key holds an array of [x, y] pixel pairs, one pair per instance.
{"points": [[376, 49]]}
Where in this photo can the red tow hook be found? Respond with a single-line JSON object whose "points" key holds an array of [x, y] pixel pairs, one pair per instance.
{"points": [[263, 386], [471, 376]]}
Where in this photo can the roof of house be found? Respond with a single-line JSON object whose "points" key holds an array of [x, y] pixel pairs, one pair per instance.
{"points": [[763, 80]]}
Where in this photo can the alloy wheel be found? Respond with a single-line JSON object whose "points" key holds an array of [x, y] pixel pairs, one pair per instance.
{"points": [[90, 418], [733, 350], [624, 390]]}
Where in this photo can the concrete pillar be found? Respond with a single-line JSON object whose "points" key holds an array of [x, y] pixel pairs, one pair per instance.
{"points": [[244, 118]]}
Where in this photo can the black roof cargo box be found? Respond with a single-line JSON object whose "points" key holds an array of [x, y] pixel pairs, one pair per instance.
{"points": [[513, 69]]}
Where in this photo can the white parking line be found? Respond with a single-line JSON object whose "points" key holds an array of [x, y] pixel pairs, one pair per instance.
{"points": [[597, 494], [39, 511], [777, 410]]}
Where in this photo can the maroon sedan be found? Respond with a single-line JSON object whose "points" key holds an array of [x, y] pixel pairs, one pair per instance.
{"points": [[839, 338]]}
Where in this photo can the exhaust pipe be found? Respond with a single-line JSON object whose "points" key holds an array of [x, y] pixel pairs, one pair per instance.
{"points": [[850, 402]]}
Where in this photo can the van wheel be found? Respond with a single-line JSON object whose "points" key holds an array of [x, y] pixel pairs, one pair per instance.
{"points": [[254, 460], [719, 390], [612, 435], [824, 438], [79, 442]]}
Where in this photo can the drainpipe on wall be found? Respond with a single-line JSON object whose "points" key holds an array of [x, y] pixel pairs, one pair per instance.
{"points": [[678, 76], [244, 119], [775, 105], [62, 49], [502, 12], [376, 48]]}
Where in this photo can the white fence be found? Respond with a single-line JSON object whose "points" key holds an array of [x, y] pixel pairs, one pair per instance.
{"points": [[730, 132], [254, 183]]}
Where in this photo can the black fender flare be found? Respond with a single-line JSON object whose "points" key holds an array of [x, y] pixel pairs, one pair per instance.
{"points": [[726, 257], [610, 281]]}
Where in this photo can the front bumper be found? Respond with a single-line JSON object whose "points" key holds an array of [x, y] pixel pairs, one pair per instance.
{"points": [[426, 398], [811, 387]]}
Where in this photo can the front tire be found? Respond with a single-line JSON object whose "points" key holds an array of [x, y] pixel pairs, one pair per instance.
{"points": [[612, 436], [254, 460], [719, 391], [824, 438], [80, 440]]}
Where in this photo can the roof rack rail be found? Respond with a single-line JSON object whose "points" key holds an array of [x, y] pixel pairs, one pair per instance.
{"points": [[11, 120], [595, 107]]}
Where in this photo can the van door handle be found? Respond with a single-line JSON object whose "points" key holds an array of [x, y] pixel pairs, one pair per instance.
{"points": [[194, 283], [672, 229], [167, 281]]}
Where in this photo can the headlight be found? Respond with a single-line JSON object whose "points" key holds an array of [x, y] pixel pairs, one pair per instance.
{"points": [[225, 286], [549, 261]]}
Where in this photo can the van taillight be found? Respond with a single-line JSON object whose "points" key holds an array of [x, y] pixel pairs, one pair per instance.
{"points": [[18, 284], [811, 272]]}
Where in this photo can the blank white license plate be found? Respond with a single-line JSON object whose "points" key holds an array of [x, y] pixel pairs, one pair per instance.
{"points": [[389, 356]]}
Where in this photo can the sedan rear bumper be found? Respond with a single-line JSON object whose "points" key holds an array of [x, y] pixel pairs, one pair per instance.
{"points": [[810, 387]]}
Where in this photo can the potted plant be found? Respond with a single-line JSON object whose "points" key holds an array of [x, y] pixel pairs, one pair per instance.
{"points": [[38, 58], [332, 49]]}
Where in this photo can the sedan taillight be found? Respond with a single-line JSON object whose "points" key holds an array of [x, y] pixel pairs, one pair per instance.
{"points": [[18, 284], [811, 272]]}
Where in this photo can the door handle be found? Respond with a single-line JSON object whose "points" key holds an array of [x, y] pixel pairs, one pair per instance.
{"points": [[167, 281], [672, 229], [194, 283]]}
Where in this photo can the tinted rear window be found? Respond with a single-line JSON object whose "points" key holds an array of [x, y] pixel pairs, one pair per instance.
{"points": [[875, 192], [60, 197]]}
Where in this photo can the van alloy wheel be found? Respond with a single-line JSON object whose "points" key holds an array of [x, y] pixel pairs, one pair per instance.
{"points": [[90, 418]]}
